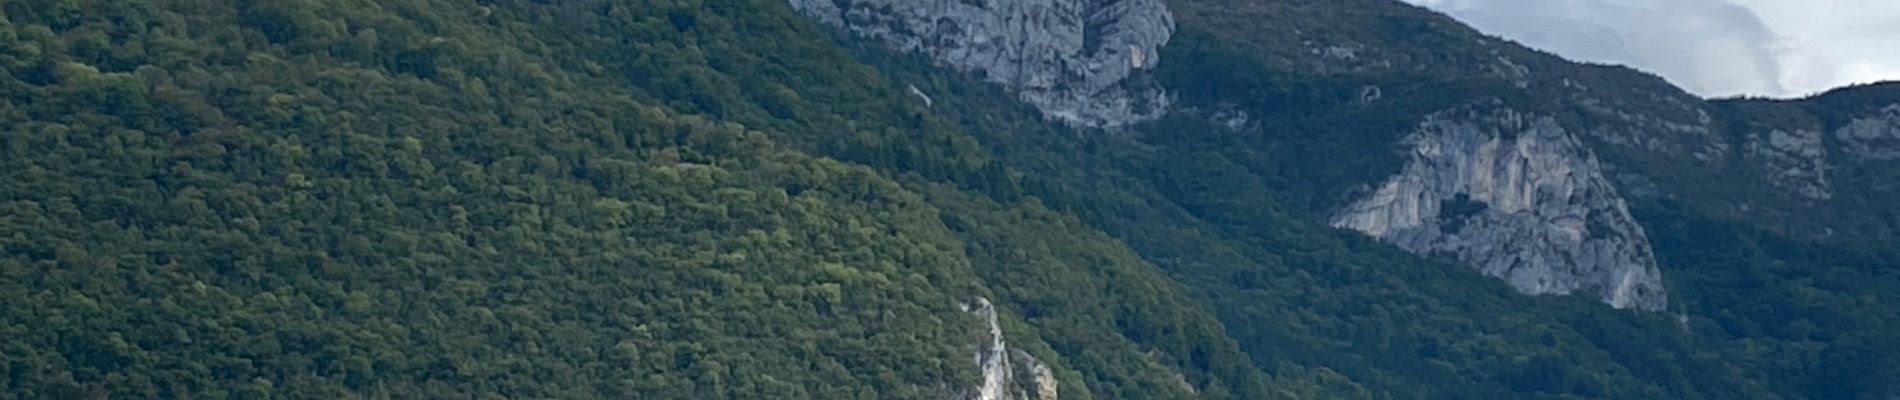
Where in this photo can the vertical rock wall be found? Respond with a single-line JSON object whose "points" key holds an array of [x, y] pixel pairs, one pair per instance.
{"points": [[1002, 380], [1079, 61], [1519, 198]]}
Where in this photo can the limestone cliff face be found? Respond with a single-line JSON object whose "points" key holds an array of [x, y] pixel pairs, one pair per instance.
{"points": [[1519, 198], [992, 356], [1042, 384], [1795, 160], [1873, 138], [1079, 61], [1799, 159], [1008, 374]]}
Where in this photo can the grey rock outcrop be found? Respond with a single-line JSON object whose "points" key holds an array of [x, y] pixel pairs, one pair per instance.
{"points": [[1799, 159], [992, 356], [1519, 198], [1078, 61], [1874, 138], [1795, 160], [1042, 380], [1002, 380]]}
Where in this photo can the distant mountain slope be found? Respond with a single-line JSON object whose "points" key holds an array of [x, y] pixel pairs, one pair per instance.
{"points": [[1659, 138], [1823, 167]]}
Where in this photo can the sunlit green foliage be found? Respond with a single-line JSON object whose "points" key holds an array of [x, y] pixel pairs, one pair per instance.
{"points": [[720, 199], [445, 199]]}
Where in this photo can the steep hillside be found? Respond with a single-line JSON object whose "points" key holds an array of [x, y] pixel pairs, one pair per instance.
{"points": [[1292, 115], [225, 215], [440, 199], [1075, 199], [1823, 167], [1660, 140]]}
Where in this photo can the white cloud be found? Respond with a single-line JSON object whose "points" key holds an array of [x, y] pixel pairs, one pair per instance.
{"points": [[1777, 48], [1829, 43]]}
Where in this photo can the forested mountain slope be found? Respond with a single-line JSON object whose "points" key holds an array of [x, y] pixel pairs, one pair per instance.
{"points": [[420, 199], [731, 199], [1284, 114]]}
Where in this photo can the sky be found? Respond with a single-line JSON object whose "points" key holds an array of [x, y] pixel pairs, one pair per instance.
{"points": [[1714, 48]]}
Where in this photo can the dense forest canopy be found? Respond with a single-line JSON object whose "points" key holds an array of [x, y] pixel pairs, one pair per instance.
{"points": [[723, 199]]}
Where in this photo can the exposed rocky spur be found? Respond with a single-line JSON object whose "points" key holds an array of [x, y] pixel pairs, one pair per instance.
{"points": [[1079, 61], [1519, 198]]}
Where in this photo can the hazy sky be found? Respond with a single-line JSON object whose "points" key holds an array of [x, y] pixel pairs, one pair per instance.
{"points": [[1779, 48]]}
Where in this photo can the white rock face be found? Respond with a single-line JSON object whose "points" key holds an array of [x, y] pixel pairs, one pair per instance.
{"points": [[1519, 198], [1042, 379], [1073, 59], [1874, 138], [1795, 160], [994, 358]]}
